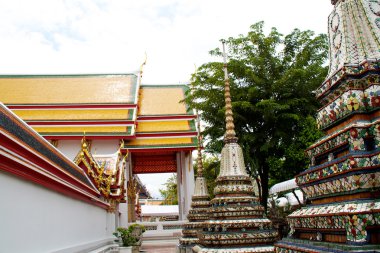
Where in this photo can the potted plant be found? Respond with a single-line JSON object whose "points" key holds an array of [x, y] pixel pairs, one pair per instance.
{"points": [[125, 239], [136, 230]]}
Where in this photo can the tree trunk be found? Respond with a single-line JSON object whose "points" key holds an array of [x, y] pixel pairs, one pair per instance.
{"points": [[264, 185]]}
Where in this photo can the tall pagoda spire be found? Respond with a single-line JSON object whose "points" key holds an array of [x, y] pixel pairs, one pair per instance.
{"points": [[342, 182], [199, 158], [199, 206], [230, 135], [236, 222]]}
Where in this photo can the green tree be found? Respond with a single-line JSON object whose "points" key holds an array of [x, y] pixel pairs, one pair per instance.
{"points": [[169, 193], [272, 81]]}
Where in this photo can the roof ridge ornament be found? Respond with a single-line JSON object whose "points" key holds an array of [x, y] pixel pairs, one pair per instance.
{"points": [[142, 67]]}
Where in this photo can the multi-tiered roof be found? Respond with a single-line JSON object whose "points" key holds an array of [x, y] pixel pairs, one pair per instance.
{"points": [[236, 218], [343, 180], [149, 119]]}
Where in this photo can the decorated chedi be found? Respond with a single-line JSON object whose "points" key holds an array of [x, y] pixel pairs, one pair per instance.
{"points": [[199, 206], [236, 218], [343, 181]]}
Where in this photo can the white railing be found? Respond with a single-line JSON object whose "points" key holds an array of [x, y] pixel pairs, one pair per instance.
{"points": [[162, 229]]}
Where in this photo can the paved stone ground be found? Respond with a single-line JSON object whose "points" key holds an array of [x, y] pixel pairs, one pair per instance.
{"points": [[159, 246]]}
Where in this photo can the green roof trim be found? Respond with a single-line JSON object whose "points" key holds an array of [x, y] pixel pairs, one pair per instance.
{"points": [[192, 125], [130, 114]]}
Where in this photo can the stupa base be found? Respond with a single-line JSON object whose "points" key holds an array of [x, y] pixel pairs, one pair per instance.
{"points": [[265, 249], [289, 245]]}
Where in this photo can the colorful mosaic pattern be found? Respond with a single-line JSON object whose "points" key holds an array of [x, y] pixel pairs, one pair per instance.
{"points": [[353, 184], [354, 39], [350, 102], [354, 217], [346, 164], [344, 172], [353, 135], [291, 245]]}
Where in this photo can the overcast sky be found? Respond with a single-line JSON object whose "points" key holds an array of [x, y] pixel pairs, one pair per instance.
{"points": [[112, 36]]}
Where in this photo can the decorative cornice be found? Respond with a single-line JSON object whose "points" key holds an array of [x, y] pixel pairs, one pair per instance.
{"points": [[26, 155], [81, 123], [67, 75]]}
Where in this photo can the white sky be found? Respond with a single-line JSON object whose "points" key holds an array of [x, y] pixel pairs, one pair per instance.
{"points": [[112, 36], [154, 182]]}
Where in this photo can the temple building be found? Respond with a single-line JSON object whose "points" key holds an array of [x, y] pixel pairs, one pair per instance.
{"points": [[110, 128], [342, 184]]}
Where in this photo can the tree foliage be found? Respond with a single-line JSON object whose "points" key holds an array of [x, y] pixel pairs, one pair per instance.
{"points": [[169, 193], [272, 81]]}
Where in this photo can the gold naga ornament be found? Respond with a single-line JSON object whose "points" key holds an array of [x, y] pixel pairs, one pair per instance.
{"points": [[93, 169]]}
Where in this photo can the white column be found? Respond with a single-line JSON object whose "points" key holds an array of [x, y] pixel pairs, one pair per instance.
{"points": [[185, 182], [180, 188], [123, 207], [188, 173]]}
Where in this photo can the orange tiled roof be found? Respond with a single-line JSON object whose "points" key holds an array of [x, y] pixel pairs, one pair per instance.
{"points": [[68, 89], [163, 126], [162, 100], [74, 114], [103, 106]]}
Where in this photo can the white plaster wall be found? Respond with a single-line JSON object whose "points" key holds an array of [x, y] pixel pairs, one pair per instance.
{"points": [[104, 147], [35, 219], [69, 148]]}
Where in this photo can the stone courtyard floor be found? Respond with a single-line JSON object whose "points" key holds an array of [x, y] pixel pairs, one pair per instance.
{"points": [[159, 246]]}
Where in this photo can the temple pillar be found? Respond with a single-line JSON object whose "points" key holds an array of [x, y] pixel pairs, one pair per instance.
{"points": [[123, 207], [189, 180], [180, 187], [185, 182]]}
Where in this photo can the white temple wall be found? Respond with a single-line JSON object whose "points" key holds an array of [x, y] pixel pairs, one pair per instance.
{"points": [[36, 219], [69, 148], [104, 147]]}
